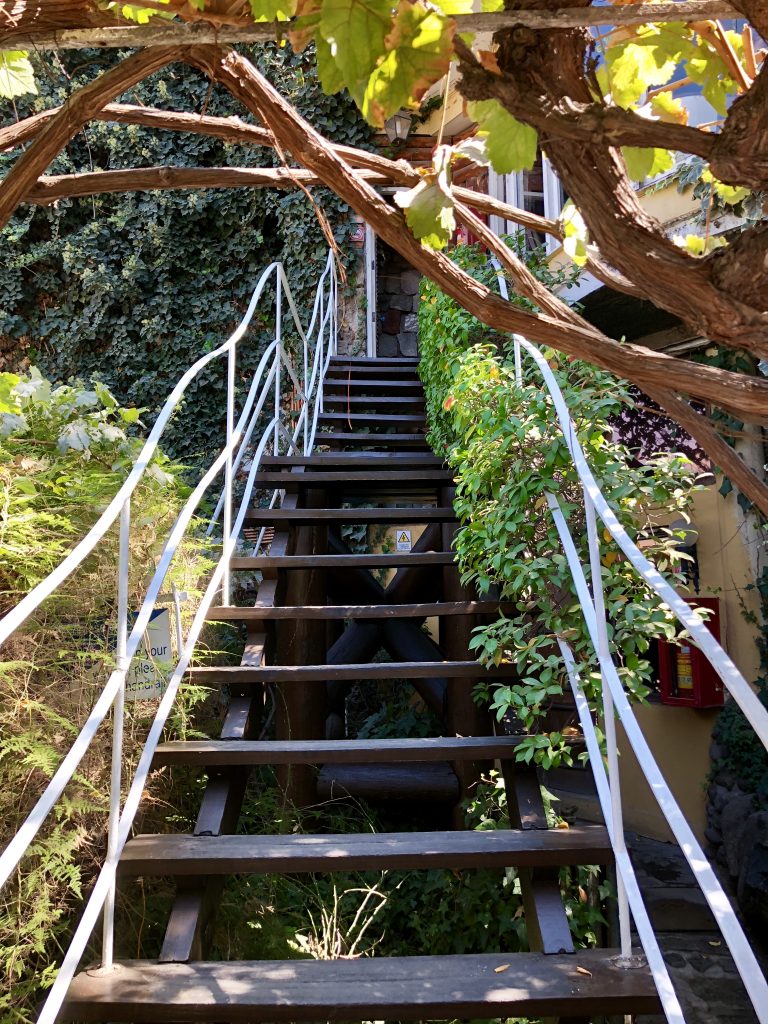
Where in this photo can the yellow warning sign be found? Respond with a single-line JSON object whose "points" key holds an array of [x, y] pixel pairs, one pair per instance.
{"points": [[404, 540]]}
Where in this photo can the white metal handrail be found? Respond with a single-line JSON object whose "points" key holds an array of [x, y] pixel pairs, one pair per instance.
{"points": [[317, 344], [615, 702]]}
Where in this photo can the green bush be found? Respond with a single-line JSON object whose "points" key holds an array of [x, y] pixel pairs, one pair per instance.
{"points": [[507, 450], [64, 452]]}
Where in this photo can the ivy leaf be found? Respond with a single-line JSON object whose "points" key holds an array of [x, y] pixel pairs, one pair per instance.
{"points": [[272, 10], [429, 206], [355, 31], [419, 49], [511, 145], [16, 75], [643, 162], [668, 108], [730, 194]]}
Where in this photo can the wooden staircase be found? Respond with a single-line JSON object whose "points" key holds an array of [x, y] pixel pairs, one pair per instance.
{"points": [[319, 620]]}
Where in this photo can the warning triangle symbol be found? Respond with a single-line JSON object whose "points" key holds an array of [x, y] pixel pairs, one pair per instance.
{"points": [[403, 538]]}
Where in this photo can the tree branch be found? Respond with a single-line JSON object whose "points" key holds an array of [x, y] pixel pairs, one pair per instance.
{"points": [[136, 179], [70, 118], [747, 396], [593, 174], [719, 451]]}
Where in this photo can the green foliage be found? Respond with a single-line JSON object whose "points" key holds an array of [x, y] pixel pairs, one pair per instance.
{"points": [[134, 287], [64, 452], [504, 445]]}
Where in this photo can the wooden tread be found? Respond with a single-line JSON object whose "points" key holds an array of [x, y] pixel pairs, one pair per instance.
{"points": [[398, 514], [392, 988], [392, 560], [230, 613], [365, 460], [219, 753], [380, 439], [374, 360], [391, 477], [334, 418], [358, 384], [226, 854], [244, 675]]}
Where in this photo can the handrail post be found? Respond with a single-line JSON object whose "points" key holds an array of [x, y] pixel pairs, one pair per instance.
{"points": [[108, 929], [278, 356], [609, 724], [226, 587]]}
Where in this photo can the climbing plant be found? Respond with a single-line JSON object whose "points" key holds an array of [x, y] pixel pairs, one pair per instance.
{"points": [[135, 287], [503, 442]]}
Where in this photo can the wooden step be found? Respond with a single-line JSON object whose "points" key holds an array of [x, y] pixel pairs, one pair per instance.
{"points": [[482, 986], [420, 514], [221, 753], [230, 613], [334, 419], [355, 460], [393, 559], [226, 854], [242, 675], [373, 360], [379, 440], [379, 401], [359, 385], [391, 477]]}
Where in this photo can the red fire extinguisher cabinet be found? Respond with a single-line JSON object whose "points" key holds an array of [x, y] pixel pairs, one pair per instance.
{"points": [[686, 678]]}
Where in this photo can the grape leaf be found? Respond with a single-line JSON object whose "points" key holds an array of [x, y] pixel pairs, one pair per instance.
{"points": [[16, 74], [272, 10], [419, 51], [355, 31], [429, 206], [668, 108], [575, 234], [429, 213], [649, 58], [645, 163], [331, 78], [511, 145], [141, 15], [304, 26], [698, 246]]}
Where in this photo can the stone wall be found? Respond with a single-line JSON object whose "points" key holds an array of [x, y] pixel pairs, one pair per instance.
{"points": [[397, 304], [737, 836]]}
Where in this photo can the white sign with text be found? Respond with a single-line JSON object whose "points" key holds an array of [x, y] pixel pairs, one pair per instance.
{"points": [[148, 674]]}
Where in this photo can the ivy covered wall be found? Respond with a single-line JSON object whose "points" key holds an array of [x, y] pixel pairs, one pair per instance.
{"points": [[134, 287]]}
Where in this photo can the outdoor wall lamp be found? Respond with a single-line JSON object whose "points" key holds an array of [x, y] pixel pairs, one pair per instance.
{"points": [[398, 126]]}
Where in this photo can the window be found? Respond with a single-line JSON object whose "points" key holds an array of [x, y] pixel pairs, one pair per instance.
{"points": [[537, 191]]}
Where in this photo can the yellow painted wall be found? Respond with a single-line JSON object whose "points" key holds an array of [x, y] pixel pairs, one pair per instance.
{"points": [[680, 737]]}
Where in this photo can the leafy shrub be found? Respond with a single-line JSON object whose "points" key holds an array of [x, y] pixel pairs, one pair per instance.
{"points": [[507, 450], [64, 452]]}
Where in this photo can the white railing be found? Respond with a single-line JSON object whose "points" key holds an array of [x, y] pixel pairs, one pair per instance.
{"points": [[315, 346], [615, 703]]}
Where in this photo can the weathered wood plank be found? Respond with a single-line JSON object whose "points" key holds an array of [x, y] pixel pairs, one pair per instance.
{"points": [[363, 459], [310, 516], [229, 613], [228, 854], [392, 559], [390, 477], [396, 988], [240, 675], [252, 752]]}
